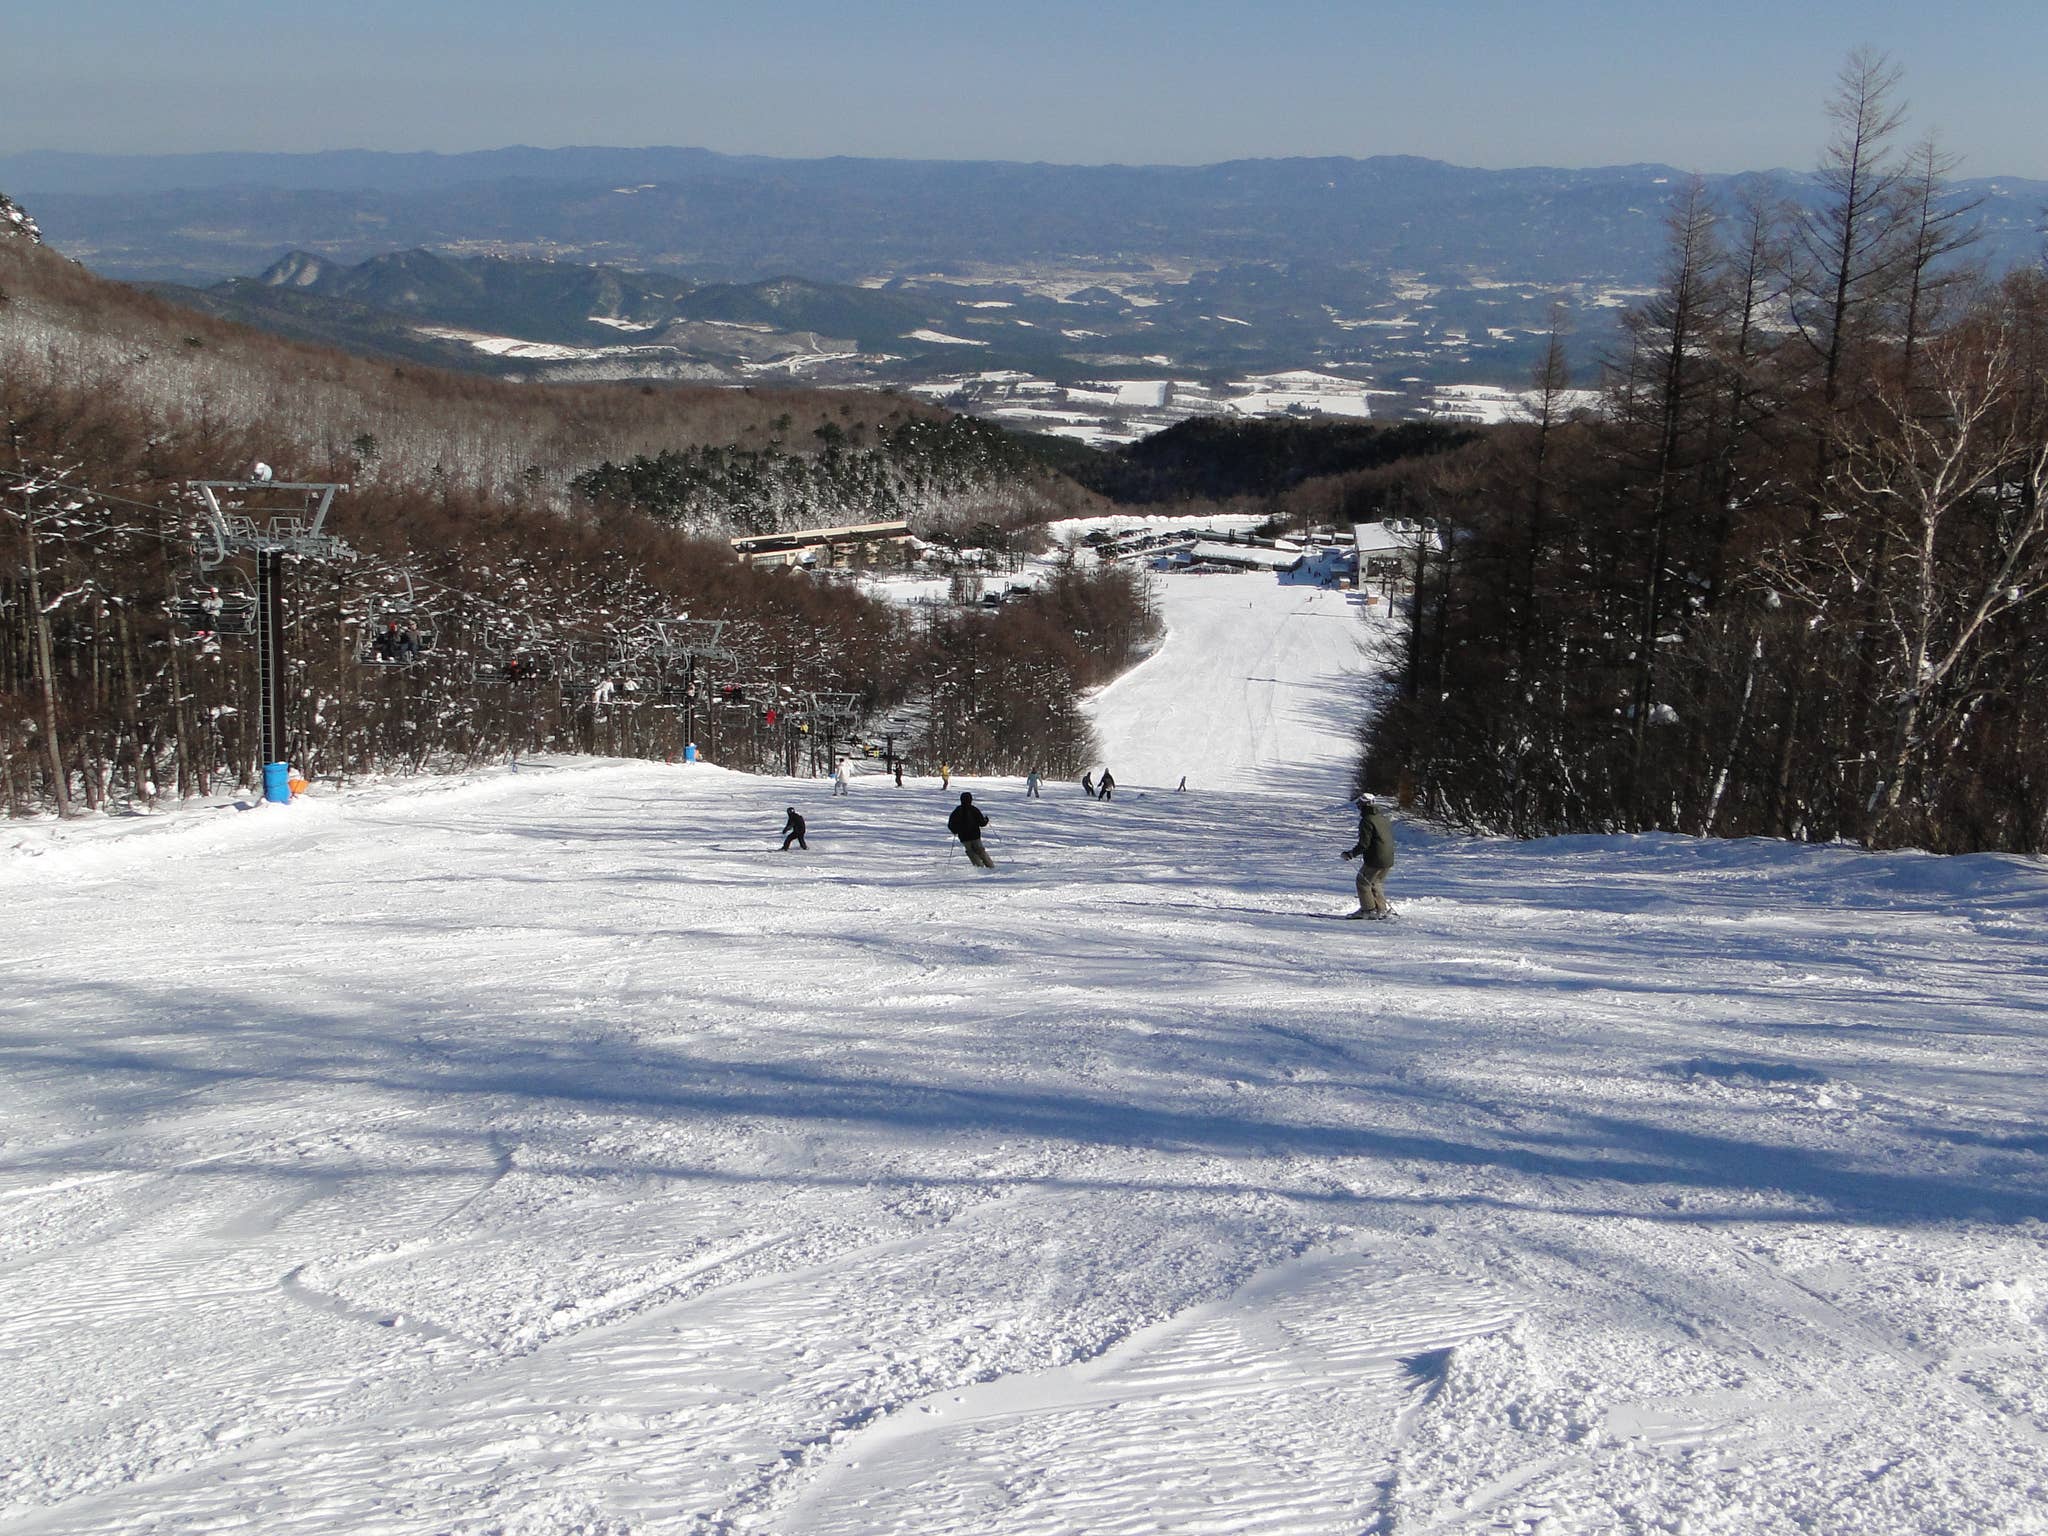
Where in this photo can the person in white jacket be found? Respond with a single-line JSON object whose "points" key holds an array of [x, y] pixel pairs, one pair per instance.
{"points": [[841, 778]]}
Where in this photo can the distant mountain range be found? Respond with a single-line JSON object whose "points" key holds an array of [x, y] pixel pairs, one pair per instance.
{"points": [[1395, 271], [741, 218]]}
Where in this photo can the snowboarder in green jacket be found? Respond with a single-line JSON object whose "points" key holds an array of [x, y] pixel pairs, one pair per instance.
{"points": [[1375, 852]]}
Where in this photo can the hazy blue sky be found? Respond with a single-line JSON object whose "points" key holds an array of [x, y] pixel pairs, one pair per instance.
{"points": [[1485, 82]]}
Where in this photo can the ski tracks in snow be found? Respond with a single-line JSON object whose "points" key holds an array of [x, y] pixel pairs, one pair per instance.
{"points": [[1279, 1404], [571, 1161]]}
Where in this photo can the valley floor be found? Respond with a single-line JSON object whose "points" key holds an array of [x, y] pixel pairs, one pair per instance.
{"points": [[546, 1153]]}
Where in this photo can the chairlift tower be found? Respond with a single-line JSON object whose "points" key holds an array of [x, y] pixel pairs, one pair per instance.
{"points": [[692, 644], [268, 519], [1424, 533], [837, 712]]}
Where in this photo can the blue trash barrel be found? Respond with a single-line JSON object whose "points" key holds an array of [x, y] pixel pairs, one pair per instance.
{"points": [[277, 782]]}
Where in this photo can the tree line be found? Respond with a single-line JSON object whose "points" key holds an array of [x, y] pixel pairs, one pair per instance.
{"points": [[1002, 689], [1267, 459], [1787, 578], [956, 470]]}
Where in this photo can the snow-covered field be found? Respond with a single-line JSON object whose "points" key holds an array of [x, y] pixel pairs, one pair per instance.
{"points": [[545, 1153]]}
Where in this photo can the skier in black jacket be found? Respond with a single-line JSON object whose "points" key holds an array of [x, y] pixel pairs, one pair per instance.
{"points": [[793, 831], [966, 823]]}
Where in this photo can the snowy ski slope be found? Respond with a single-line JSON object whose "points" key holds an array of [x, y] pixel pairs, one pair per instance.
{"points": [[1256, 686], [544, 1153]]}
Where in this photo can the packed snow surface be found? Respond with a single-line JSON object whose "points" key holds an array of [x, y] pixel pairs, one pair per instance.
{"points": [[547, 1153], [1256, 687]]}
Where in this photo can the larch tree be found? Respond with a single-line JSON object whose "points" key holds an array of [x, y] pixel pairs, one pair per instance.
{"points": [[1846, 247], [1664, 404]]}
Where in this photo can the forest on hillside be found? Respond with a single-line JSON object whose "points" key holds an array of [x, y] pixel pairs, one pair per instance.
{"points": [[896, 472], [1222, 459], [373, 422], [1789, 581], [542, 616]]}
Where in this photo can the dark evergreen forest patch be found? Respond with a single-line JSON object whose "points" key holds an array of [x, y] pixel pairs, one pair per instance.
{"points": [[1212, 459]]}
